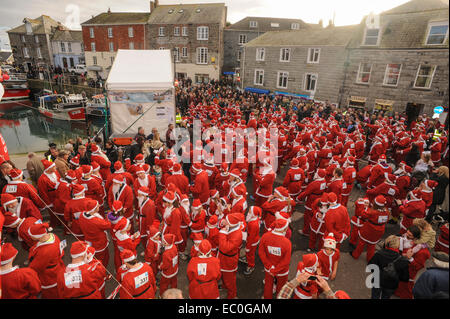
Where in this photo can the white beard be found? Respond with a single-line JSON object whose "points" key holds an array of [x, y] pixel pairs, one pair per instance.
{"points": [[144, 182], [398, 172], [53, 178], [14, 210], [186, 207], [115, 188], [141, 199], [323, 210], [249, 217], [167, 212]]}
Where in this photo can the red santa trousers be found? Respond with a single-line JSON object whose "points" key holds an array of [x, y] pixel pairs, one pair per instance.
{"points": [[344, 200], [354, 235], [313, 238], [103, 257], [250, 255], [166, 282], [50, 293], [360, 248], [306, 221], [184, 234], [229, 283], [268, 284]]}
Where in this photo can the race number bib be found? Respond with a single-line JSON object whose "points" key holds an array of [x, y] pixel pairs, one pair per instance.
{"points": [[62, 245], [201, 269], [323, 186], [297, 177], [141, 280], [391, 191], [344, 185], [73, 278], [329, 155], [274, 250], [11, 188], [353, 174], [382, 219], [175, 261]]}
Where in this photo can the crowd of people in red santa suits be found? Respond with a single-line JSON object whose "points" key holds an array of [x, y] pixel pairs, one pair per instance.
{"points": [[127, 206]]}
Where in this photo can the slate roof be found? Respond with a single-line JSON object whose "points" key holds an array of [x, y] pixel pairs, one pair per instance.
{"points": [[106, 18], [264, 24], [189, 13], [68, 36], [41, 25]]}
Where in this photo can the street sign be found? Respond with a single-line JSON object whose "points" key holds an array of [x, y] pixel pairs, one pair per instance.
{"points": [[438, 109]]}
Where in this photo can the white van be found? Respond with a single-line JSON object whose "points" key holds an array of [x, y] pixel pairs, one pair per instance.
{"points": [[79, 69]]}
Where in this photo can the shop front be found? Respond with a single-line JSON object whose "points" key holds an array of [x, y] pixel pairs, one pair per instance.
{"points": [[384, 105], [358, 102]]}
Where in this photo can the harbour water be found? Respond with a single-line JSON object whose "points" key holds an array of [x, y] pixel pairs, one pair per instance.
{"points": [[26, 130]]}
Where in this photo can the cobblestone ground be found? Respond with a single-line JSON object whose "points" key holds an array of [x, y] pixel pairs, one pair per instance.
{"points": [[351, 275]]}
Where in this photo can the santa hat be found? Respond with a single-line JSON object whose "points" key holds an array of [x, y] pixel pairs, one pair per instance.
{"points": [[91, 205], [117, 206], [310, 261], [391, 178], [15, 173], [75, 161], [7, 199], [213, 193], [87, 169], [78, 189], [416, 194], [196, 204], [11, 220], [351, 160], [153, 231], [78, 249], [380, 200], [146, 168], [144, 191], [332, 198], [8, 253], [122, 224], [204, 247], [382, 158], [234, 219], [235, 173], [169, 197], [118, 166], [197, 238], [282, 192], [324, 199], [224, 167], [213, 220], [431, 184], [140, 170], [280, 225], [294, 163], [340, 294], [95, 166], [224, 201], [255, 211], [139, 158], [127, 255], [118, 178], [37, 231], [169, 239], [47, 164], [329, 241], [176, 168], [321, 173], [71, 175], [94, 148], [197, 168], [237, 191]]}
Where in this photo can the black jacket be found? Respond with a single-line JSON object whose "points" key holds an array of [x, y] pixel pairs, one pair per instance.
{"points": [[439, 191], [382, 258]]}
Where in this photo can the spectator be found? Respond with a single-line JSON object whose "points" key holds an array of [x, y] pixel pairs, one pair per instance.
{"points": [[137, 148], [170, 140], [152, 134], [440, 175], [141, 132], [424, 164], [155, 145], [5, 168], [69, 148], [413, 156], [52, 153], [389, 254], [172, 293], [62, 163], [434, 281], [85, 159], [111, 151], [35, 168]]}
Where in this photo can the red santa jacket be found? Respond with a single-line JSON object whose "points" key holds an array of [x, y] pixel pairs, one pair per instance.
{"points": [[389, 191], [411, 210], [239, 205], [242, 165], [72, 212], [147, 215], [123, 241], [93, 190], [293, 180], [337, 222], [427, 197], [180, 181], [349, 177], [270, 208], [212, 235], [138, 283], [94, 228], [314, 190], [46, 259], [402, 183], [22, 230], [26, 208], [128, 179], [22, 189], [105, 165], [221, 184], [63, 195], [198, 221], [229, 244], [212, 172], [436, 150], [80, 281], [252, 233], [317, 223], [200, 189], [124, 195], [336, 186], [275, 253], [20, 283], [172, 224], [152, 253], [360, 207], [305, 290], [47, 188], [363, 174], [203, 274], [264, 183], [442, 240], [374, 225], [378, 174], [326, 262], [169, 264], [149, 181]]}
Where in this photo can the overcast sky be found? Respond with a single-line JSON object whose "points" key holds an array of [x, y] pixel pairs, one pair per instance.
{"points": [[311, 11]]}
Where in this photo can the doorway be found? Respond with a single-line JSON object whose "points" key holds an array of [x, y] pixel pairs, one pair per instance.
{"points": [[413, 110]]}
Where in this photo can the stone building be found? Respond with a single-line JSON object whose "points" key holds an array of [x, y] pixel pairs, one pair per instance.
{"points": [[31, 42], [247, 29], [194, 34], [308, 63], [68, 48], [108, 32], [399, 60]]}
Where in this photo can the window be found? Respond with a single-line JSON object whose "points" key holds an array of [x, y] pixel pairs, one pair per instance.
{"points": [[282, 82], [36, 39], [313, 55], [28, 27], [94, 60], [23, 38], [201, 78], [91, 32], [238, 55], [25, 52], [38, 51], [93, 46], [161, 31], [176, 54], [424, 76], [260, 54], [242, 38], [111, 47], [162, 48], [371, 36], [295, 26], [259, 77], [275, 25], [82, 47], [285, 55], [63, 47], [184, 31], [437, 33], [253, 24], [184, 52], [130, 32], [69, 47], [110, 33], [202, 33], [176, 31], [202, 55], [72, 62], [310, 82], [364, 73], [392, 74], [131, 45]]}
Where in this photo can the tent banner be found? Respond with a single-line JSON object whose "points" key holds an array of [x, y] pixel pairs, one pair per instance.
{"points": [[131, 110], [4, 156]]}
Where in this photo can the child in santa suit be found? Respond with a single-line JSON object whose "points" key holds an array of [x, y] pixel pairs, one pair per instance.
{"points": [[124, 240], [169, 264], [196, 239], [212, 233], [94, 263], [152, 254], [204, 273], [317, 225], [361, 204], [17, 283], [253, 220], [328, 258], [308, 289]]}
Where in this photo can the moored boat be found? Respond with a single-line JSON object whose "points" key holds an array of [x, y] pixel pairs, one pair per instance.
{"points": [[59, 107]]}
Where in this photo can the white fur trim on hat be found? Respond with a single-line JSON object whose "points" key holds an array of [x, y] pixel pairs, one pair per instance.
{"points": [[5, 262], [10, 202], [80, 254], [133, 257], [379, 204]]}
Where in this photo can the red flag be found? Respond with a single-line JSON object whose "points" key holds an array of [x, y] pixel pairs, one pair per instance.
{"points": [[4, 156]]}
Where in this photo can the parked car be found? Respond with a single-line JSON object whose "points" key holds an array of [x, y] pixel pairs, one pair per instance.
{"points": [[78, 69]]}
